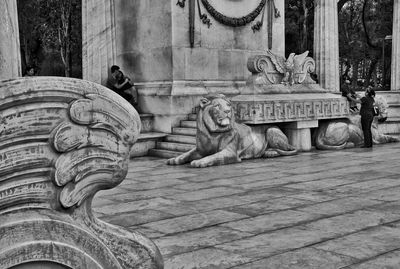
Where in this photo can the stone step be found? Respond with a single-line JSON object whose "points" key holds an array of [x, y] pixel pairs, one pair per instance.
{"points": [[394, 110], [147, 121], [184, 131], [390, 126], [189, 123], [174, 146], [192, 116], [161, 153], [392, 97], [184, 139], [145, 142]]}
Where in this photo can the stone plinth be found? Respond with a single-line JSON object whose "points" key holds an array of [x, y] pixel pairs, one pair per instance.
{"points": [[326, 44], [10, 58], [295, 113], [395, 74]]}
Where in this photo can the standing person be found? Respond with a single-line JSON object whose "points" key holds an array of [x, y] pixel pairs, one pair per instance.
{"points": [[367, 116], [122, 85]]}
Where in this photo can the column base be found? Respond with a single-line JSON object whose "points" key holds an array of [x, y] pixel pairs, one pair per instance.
{"points": [[299, 134]]}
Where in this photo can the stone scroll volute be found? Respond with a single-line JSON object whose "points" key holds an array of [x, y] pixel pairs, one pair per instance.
{"points": [[270, 68], [61, 141]]}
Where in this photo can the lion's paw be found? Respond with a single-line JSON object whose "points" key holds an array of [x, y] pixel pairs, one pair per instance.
{"points": [[199, 164], [271, 153], [172, 161]]}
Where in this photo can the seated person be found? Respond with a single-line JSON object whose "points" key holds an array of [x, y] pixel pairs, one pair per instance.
{"points": [[351, 95], [30, 71], [122, 85]]}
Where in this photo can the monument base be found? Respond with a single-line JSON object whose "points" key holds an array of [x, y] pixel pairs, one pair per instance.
{"points": [[296, 114]]}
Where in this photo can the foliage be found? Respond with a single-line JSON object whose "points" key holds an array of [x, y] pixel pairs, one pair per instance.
{"points": [[48, 26], [363, 25], [299, 21]]}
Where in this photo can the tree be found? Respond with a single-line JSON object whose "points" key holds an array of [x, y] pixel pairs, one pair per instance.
{"points": [[299, 19], [58, 27], [363, 24]]}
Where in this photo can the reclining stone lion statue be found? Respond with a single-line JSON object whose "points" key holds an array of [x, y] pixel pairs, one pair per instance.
{"points": [[220, 140], [348, 133]]}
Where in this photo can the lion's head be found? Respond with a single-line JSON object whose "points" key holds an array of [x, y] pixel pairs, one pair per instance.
{"points": [[216, 113], [382, 104]]}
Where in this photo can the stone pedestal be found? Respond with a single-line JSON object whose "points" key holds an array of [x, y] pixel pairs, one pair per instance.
{"points": [[395, 74], [98, 40], [296, 114], [299, 134], [326, 44], [10, 57]]}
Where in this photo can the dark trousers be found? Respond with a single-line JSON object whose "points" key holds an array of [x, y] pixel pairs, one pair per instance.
{"points": [[366, 122]]}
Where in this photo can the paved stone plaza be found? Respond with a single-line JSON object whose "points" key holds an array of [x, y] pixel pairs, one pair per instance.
{"points": [[321, 209]]}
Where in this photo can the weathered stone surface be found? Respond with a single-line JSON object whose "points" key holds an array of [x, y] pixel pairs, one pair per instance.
{"points": [[364, 244], [309, 258], [10, 58], [351, 209], [62, 141]]}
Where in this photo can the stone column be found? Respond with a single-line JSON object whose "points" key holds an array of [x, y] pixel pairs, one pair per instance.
{"points": [[10, 56], [98, 39], [395, 75], [299, 134], [278, 27], [326, 44]]}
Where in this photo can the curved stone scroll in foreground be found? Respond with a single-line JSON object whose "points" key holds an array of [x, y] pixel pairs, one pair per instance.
{"points": [[61, 141]]}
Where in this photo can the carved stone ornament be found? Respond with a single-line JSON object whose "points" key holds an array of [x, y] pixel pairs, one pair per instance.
{"points": [[231, 21], [270, 68], [62, 140]]}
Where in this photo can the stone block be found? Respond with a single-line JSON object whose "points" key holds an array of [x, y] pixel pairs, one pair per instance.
{"points": [[302, 124], [201, 64], [147, 65]]}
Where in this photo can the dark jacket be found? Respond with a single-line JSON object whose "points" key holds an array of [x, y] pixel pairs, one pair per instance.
{"points": [[367, 106]]}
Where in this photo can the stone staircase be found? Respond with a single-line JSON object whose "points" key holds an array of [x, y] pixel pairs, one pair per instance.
{"points": [[182, 139], [147, 138]]}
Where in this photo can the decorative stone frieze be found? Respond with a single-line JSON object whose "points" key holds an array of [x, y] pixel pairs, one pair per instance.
{"points": [[260, 109]]}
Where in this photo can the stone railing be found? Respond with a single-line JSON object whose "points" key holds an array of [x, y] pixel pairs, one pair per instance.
{"points": [[61, 141]]}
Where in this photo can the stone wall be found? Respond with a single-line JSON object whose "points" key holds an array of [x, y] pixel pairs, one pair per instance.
{"points": [[153, 41], [144, 39]]}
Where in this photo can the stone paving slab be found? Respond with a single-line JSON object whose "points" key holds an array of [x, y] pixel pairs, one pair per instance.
{"points": [[319, 209]]}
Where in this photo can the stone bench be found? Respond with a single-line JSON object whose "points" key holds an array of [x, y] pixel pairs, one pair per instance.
{"points": [[61, 141]]}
